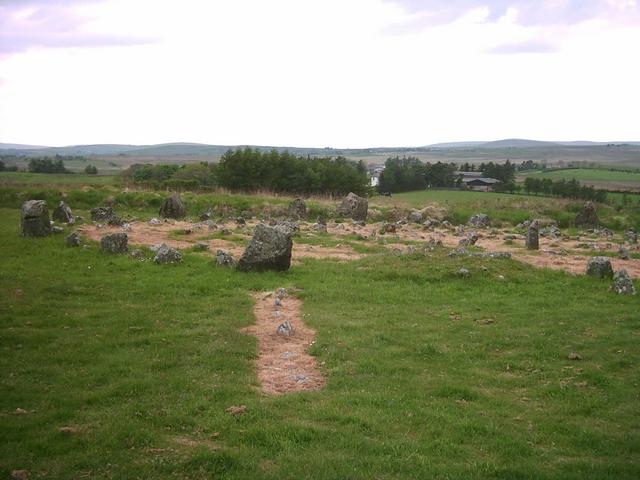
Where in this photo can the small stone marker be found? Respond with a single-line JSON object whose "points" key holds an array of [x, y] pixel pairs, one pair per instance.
{"points": [[62, 213], [114, 243], [354, 207], [173, 207], [532, 240], [167, 254], [622, 283], [600, 267], [73, 240]]}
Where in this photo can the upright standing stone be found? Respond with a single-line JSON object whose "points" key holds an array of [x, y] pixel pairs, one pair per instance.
{"points": [[600, 267], [532, 241], [354, 207], [34, 219], [269, 249], [587, 217], [62, 213], [298, 209], [622, 283], [173, 207]]}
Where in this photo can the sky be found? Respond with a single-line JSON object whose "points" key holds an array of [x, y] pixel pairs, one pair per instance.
{"points": [[323, 73]]}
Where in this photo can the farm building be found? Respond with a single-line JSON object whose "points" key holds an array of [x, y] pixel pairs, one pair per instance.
{"points": [[482, 184]]}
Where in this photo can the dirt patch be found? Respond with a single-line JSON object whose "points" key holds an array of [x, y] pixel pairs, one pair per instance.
{"points": [[283, 363]]}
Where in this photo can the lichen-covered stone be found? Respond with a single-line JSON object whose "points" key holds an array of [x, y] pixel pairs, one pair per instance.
{"points": [[599, 267], [167, 254], [587, 216], [354, 207], [115, 243], [622, 283], [173, 207], [34, 219], [532, 239], [269, 249], [62, 213]]}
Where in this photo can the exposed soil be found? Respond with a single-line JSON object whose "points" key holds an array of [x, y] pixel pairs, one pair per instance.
{"points": [[283, 363]]}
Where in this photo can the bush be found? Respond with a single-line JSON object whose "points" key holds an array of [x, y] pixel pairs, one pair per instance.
{"points": [[90, 170]]}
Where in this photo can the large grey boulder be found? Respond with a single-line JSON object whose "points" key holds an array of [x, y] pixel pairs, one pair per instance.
{"points": [[587, 216], [167, 254], [600, 267], [34, 219], [297, 209], [622, 283], [532, 240], [105, 215], [269, 249], [173, 207], [115, 243], [63, 214], [479, 220], [354, 207]]}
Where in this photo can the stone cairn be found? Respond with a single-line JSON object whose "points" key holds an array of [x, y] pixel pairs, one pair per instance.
{"points": [[285, 328], [532, 240], [34, 219]]}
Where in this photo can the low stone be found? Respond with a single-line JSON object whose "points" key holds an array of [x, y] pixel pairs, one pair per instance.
{"points": [[574, 356], [269, 249], [206, 215], [137, 254], [290, 228], [281, 293], [19, 475], [167, 254], [469, 240], [114, 243], [622, 283], [201, 247], [415, 216], [63, 214], [599, 267], [173, 207], [34, 219], [320, 227], [387, 228], [623, 253], [73, 240], [631, 236], [492, 255], [56, 229], [105, 215], [236, 410], [464, 273], [354, 207], [479, 220], [155, 221], [321, 220], [285, 329], [224, 259]]}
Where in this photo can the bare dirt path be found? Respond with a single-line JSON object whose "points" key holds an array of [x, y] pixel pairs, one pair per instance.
{"points": [[283, 363]]}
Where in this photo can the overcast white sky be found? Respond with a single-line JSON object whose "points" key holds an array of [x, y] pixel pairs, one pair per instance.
{"points": [[340, 73]]}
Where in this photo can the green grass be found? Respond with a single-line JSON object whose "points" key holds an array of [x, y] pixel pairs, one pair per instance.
{"points": [[587, 174], [428, 375], [24, 178]]}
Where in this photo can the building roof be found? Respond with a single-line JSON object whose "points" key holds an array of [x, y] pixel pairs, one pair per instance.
{"points": [[485, 180]]}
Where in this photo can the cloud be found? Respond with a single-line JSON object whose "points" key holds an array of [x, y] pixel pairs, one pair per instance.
{"points": [[54, 24], [529, 12]]}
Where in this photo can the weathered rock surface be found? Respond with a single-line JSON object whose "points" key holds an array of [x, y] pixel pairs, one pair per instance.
{"points": [[587, 216], [62, 213], [73, 240], [297, 209], [622, 283], [167, 254], [105, 215], [354, 207], [599, 267], [224, 259], [269, 249], [623, 253], [173, 207], [469, 240], [387, 228], [479, 220], [415, 216], [115, 243], [34, 219], [532, 240], [631, 236]]}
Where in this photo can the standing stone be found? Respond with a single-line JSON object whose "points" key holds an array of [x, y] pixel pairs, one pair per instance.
{"points": [[269, 249], [106, 215], [479, 220], [599, 267], [354, 207], [34, 219], [631, 236], [532, 240], [587, 217], [63, 214], [622, 283], [623, 253], [114, 243], [173, 207], [297, 209]]}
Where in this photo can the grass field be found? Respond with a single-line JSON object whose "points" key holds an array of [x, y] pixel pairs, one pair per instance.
{"points": [[24, 178], [599, 178], [429, 375]]}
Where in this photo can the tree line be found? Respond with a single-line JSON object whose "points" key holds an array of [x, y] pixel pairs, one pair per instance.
{"points": [[251, 170], [409, 173], [563, 188]]}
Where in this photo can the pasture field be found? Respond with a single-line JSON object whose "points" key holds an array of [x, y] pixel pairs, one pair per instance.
{"points": [[116, 367], [31, 179], [599, 178]]}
